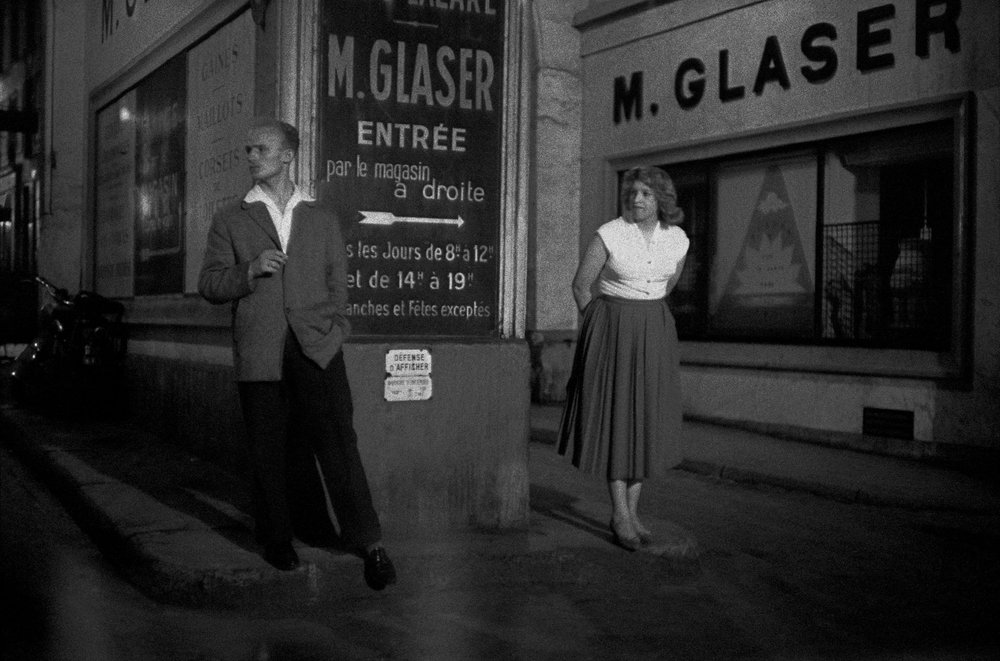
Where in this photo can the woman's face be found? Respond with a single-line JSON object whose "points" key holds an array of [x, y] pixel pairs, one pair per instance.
{"points": [[643, 202]]}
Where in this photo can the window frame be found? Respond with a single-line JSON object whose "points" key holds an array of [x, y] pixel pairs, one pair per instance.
{"points": [[951, 363]]}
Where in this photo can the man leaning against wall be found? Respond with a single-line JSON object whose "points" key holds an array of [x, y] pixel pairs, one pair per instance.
{"points": [[279, 260]]}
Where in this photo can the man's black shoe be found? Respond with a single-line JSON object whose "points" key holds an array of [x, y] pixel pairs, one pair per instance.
{"points": [[281, 556], [379, 571]]}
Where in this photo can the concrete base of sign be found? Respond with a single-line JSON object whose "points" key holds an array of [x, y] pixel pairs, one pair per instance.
{"points": [[458, 459]]}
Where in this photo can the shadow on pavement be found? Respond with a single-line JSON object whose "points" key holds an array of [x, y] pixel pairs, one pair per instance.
{"points": [[560, 507]]}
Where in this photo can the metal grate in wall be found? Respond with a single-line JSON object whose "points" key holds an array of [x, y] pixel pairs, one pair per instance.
{"points": [[893, 423]]}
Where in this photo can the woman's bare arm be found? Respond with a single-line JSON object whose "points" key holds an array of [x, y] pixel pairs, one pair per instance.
{"points": [[586, 273], [672, 282]]}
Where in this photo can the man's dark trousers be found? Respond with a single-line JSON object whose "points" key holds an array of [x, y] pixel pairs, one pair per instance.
{"points": [[308, 413]]}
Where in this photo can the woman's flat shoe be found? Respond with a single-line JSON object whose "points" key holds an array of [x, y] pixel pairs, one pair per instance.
{"points": [[624, 535], [645, 534]]}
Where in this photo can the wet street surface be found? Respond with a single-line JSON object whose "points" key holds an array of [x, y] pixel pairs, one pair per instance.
{"points": [[781, 575]]}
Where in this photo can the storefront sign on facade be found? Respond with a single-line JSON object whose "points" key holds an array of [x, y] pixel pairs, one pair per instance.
{"points": [[409, 155], [737, 78], [756, 68], [118, 31]]}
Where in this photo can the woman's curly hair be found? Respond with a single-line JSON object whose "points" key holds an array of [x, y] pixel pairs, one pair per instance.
{"points": [[663, 189]]}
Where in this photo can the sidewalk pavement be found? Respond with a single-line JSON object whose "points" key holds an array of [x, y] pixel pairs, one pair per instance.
{"points": [[179, 527], [846, 475]]}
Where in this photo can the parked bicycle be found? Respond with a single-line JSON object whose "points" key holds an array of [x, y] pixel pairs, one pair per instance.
{"points": [[76, 363]]}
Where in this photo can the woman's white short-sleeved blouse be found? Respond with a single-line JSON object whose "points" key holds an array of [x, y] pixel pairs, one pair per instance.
{"points": [[637, 269]]}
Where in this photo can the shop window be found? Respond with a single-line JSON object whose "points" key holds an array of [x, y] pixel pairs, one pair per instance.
{"points": [[842, 242], [688, 296], [167, 158], [887, 235], [8, 215], [6, 238], [763, 261], [4, 39]]}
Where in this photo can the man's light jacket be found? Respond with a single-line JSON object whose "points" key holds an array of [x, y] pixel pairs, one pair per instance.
{"points": [[307, 296]]}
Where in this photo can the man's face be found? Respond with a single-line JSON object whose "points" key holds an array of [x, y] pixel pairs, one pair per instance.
{"points": [[267, 154]]}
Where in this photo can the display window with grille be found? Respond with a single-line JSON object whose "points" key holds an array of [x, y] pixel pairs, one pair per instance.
{"points": [[845, 241]]}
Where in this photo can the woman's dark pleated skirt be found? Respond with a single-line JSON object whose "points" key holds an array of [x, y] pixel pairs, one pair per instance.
{"points": [[623, 409]]}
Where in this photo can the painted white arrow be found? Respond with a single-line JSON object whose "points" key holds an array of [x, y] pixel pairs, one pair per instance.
{"points": [[388, 218], [416, 24]]}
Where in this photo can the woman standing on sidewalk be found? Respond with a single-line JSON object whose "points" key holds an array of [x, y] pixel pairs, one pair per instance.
{"points": [[623, 409]]}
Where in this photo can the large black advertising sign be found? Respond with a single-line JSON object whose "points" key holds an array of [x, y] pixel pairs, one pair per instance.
{"points": [[410, 116]]}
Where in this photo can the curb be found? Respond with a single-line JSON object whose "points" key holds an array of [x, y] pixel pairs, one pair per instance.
{"points": [[145, 539], [177, 558]]}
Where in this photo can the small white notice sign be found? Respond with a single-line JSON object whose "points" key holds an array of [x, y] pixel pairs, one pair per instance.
{"points": [[408, 375], [408, 388], [406, 362]]}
